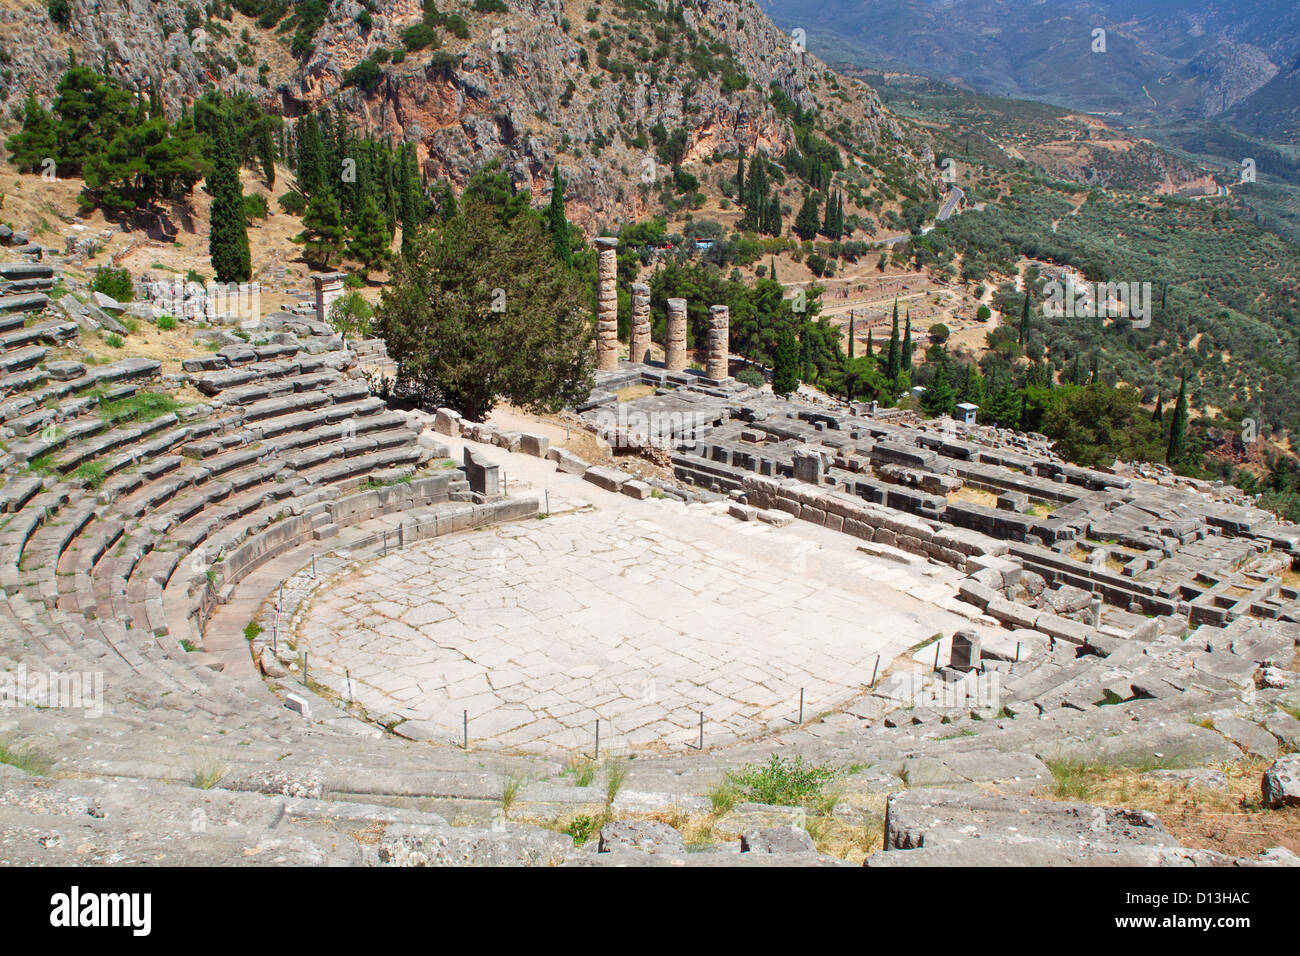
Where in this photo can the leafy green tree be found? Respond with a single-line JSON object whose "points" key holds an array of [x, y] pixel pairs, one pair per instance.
{"points": [[350, 314], [484, 311], [1096, 424]]}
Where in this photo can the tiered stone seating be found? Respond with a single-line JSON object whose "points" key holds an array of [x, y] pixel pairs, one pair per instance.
{"points": [[113, 548]]}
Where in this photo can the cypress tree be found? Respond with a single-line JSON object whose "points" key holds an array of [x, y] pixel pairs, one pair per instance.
{"points": [[740, 177], [806, 223], [893, 364], [1177, 449], [1024, 319], [266, 153], [937, 399], [1158, 414], [870, 342], [557, 223], [851, 334], [907, 344], [228, 222], [785, 365]]}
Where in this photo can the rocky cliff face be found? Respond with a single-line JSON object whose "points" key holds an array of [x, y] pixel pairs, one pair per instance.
{"points": [[1229, 73], [545, 84]]}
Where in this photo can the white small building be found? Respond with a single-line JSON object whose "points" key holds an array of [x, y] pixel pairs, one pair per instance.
{"points": [[966, 413]]}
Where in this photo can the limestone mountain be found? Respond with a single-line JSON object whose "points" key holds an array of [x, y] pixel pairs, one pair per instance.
{"points": [[612, 93]]}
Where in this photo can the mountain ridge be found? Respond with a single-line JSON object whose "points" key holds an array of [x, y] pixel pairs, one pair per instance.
{"points": [[535, 84]]}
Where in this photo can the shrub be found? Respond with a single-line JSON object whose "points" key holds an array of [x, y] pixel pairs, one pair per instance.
{"points": [[114, 283], [166, 323], [456, 24], [781, 783], [750, 376], [60, 12], [365, 76], [255, 206], [294, 203], [419, 36]]}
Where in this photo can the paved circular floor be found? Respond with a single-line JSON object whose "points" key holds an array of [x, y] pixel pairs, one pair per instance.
{"points": [[539, 629]]}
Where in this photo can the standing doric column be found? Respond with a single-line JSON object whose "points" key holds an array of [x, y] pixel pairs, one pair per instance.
{"points": [[607, 304], [675, 335], [639, 350], [719, 343]]}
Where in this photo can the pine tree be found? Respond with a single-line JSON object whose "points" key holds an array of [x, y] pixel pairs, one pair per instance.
{"points": [[322, 233], [557, 224], [228, 225], [785, 365], [37, 141], [368, 243], [1177, 449]]}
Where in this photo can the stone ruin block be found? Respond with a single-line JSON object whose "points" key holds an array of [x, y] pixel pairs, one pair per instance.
{"points": [[533, 444], [447, 422], [483, 475], [1013, 501], [809, 466], [965, 655]]}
